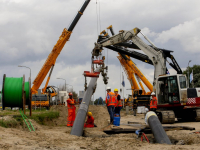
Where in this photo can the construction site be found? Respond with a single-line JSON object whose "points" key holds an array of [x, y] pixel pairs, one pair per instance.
{"points": [[134, 89]]}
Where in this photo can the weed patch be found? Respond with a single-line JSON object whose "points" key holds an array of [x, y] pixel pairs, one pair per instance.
{"points": [[47, 116]]}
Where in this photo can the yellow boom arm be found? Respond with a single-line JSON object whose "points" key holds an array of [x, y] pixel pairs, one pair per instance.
{"points": [[51, 59]]}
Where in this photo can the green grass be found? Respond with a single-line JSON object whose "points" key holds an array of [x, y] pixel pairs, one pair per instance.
{"points": [[39, 116], [42, 117], [8, 123]]}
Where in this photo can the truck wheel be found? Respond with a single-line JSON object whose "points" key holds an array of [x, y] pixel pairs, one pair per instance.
{"points": [[197, 115], [167, 116]]}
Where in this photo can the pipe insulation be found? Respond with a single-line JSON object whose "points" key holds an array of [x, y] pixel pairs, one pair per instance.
{"points": [[78, 125], [157, 129]]}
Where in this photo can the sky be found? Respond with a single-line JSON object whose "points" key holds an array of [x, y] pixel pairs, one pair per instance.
{"points": [[30, 29]]}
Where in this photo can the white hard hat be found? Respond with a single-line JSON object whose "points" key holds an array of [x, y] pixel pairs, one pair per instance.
{"points": [[153, 93], [108, 88]]}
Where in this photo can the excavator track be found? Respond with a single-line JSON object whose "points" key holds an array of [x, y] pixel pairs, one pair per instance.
{"points": [[198, 115], [167, 116]]}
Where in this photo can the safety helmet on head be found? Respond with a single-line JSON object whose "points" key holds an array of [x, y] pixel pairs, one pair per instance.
{"points": [[89, 114], [108, 88], [153, 93], [70, 94], [115, 90]]}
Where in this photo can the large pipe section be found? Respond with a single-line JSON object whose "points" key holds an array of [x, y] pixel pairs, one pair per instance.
{"points": [[157, 129], [78, 125]]}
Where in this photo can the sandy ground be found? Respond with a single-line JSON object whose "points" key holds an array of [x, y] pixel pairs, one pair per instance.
{"points": [[57, 136]]}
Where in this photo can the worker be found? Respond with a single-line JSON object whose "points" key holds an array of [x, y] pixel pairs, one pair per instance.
{"points": [[90, 121], [110, 103], [71, 110], [153, 103], [118, 105]]}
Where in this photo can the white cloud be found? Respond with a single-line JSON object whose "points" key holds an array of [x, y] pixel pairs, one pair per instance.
{"points": [[186, 33], [30, 29]]}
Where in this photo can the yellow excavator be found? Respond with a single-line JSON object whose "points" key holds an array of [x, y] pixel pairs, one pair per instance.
{"points": [[49, 91]]}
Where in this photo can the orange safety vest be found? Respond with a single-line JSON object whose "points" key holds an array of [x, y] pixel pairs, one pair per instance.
{"points": [[110, 99], [120, 103], [69, 106], [89, 123], [153, 103]]}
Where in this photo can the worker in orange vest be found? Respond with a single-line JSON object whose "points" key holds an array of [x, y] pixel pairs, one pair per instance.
{"points": [[71, 110], [110, 103], [90, 121], [118, 105], [153, 103]]}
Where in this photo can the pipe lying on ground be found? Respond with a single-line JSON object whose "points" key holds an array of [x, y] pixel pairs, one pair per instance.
{"points": [[78, 125], [157, 129]]}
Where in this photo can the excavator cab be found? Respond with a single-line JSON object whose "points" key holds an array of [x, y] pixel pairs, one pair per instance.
{"points": [[170, 88]]}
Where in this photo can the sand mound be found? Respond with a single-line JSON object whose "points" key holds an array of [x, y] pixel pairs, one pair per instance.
{"points": [[100, 115]]}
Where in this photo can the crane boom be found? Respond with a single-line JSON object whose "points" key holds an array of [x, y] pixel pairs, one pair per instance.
{"points": [[51, 59], [136, 70]]}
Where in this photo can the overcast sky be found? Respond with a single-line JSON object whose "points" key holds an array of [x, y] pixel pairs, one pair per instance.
{"points": [[30, 28]]}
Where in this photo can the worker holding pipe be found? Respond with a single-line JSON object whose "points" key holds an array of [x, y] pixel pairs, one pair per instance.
{"points": [[118, 105], [90, 121], [71, 110], [110, 103], [153, 103]]}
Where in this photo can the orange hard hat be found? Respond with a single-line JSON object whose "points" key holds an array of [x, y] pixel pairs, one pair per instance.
{"points": [[70, 94]]}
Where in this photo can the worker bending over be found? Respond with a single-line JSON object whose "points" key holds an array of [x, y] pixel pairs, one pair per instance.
{"points": [[110, 103], [153, 103], [90, 121], [71, 110], [118, 105]]}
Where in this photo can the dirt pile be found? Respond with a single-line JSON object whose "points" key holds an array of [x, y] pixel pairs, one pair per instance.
{"points": [[58, 136], [100, 114]]}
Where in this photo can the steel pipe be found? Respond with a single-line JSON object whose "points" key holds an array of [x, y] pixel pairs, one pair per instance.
{"points": [[157, 129], [78, 125]]}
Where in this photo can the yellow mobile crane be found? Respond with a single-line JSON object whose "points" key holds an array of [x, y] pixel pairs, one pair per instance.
{"points": [[51, 60], [139, 96]]}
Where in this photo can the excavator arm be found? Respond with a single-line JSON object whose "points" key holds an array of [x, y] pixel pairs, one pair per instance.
{"points": [[154, 54], [51, 59]]}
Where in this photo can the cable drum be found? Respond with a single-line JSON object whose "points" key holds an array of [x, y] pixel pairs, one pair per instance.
{"points": [[27, 89], [12, 92]]}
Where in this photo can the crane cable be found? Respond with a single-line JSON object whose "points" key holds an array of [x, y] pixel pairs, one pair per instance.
{"points": [[97, 18]]}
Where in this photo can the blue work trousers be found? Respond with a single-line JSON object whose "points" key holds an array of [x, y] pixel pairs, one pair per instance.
{"points": [[111, 111], [117, 110]]}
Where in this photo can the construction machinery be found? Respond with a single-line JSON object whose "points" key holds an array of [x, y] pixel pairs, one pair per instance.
{"points": [[139, 96], [174, 99], [51, 59]]}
